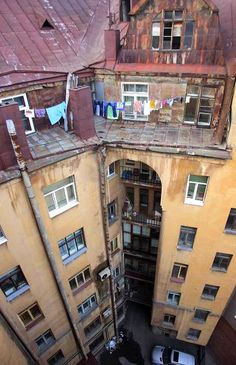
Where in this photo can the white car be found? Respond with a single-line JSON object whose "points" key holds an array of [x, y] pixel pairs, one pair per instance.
{"points": [[165, 355]]}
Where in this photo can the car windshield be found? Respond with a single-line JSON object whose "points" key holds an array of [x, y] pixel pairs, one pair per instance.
{"points": [[176, 356], [166, 355]]}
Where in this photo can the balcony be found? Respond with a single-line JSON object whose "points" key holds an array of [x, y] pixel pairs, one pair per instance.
{"points": [[140, 218], [138, 176]]}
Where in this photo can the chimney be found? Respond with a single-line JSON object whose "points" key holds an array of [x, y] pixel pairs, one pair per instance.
{"points": [[82, 109], [112, 44], [7, 155]]}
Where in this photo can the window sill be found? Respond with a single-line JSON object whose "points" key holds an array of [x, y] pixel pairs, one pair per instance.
{"points": [[191, 338], [167, 324], [48, 346], [3, 240], [229, 231], [34, 323], [85, 315], [75, 256], [172, 304], [115, 252], [110, 177], [56, 212], [112, 221], [82, 287], [197, 320], [218, 269], [208, 297], [177, 280], [18, 293], [194, 202], [184, 248]]}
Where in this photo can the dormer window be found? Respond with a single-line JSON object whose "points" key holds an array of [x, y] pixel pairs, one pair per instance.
{"points": [[172, 30]]}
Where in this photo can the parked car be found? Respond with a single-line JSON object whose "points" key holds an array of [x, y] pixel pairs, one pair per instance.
{"points": [[166, 355]]}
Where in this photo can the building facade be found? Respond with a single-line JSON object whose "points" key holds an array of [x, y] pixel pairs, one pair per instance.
{"points": [[134, 204]]}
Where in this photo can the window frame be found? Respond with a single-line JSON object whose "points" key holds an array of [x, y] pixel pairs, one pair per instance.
{"points": [[91, 329], [169, 322], [91, 307], [192, 337], [152, 239], [180, 268], [175, 295], [85, 281], [18, 290], [22, 108], [222, 256], [232, 214], [58, 362], [112, 218], [79, 251], [116, 272], [134, 95], [47, 343], [69, 204], [194, 201], [3, 238], [114, 246], [113, 173], [34, 320], [205, 315], [187, 231], [210, 287]]}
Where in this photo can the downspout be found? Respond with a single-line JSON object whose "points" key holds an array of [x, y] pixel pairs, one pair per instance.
{"points": [[102, 178], [18, 341], [43, 233]]}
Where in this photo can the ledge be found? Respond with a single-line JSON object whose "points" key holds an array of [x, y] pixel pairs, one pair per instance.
{"points": [[18, 293], [75, 256]]}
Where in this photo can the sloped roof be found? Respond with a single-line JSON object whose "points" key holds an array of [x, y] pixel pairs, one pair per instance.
{"points": [[27, 46]]}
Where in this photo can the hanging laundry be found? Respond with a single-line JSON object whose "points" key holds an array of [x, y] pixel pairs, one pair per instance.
{"points": [[158, 104], [40, 113], [138, 106], [120, 106], [146, 108], [164, 102], [187, 99], [56, 112], [98, 108], [152, 104], [29, 113], [111, 110], [170, 102]]}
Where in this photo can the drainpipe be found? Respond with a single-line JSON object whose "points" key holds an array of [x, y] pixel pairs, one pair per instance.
{"points": [[17, 340], [102, 177], [43, 233]]}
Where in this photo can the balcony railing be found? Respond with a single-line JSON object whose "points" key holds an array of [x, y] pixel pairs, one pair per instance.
{"points": [[152, 221], [138, 176]]}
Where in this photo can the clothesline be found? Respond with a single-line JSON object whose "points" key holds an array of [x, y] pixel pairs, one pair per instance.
{"points": [[54, 113]]}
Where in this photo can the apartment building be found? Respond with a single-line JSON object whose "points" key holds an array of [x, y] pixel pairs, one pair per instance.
{"points": [[115, 204]]}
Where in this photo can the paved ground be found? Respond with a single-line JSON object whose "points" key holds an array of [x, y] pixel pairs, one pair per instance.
{"points": [[137, 320]]}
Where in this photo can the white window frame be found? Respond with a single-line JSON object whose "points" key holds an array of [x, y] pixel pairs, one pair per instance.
{"points": [[3, 238], [33, 319], [113, 173], [22, 108], [115, 239], [135, 95], [194, 201], [175, 295], [92, 305], [70, 204], [47, 342]]}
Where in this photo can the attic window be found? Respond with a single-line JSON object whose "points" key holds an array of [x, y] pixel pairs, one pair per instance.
{"points": [[47, 25], [124, 10], [172, 30]]}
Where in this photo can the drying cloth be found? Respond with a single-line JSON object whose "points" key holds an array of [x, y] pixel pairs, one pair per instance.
{"points": [[187, 99], [170, 102], [56, 112], [29, 113], [152, 104], [146, 108], [138, 106], [158, 104], [110, 112], [120, 106], [40, 113]]}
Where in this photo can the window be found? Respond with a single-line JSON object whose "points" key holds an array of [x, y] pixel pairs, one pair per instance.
{"points": [[200, 315], [60, 196], [111, 170], [114, 244], [72, 245], [130, 195], [140, 238], [44, 341], [193, 334], [97, 343], [23, 104], [199, 105], [221, 262], [112, 212], [230, 226], [134, 95], [172, 30], [31, 316], [196, 189], [13, 283], [179, 272], [173, 298], [186, 237], [210, 291], [116, 272], [87, 306], [169, 319], [140, 267], [3, 238], [56, 359], [79, 279], [92, 327]]}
